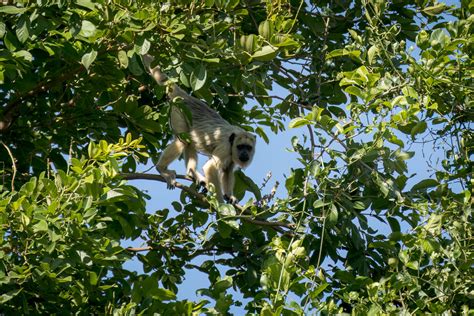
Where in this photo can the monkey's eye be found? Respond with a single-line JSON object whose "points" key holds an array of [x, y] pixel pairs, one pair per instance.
{"points": [[244, 147]]}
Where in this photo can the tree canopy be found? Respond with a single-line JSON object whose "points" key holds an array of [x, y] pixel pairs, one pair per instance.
{"points": [[378, 90]]}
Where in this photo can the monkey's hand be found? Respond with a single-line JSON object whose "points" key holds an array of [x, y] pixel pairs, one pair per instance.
{"points": [[170, 177], [231, 199]]}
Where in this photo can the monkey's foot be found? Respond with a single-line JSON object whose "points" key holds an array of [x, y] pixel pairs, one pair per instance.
{"points": [[231, 199], [199, 180], [170, 177], [202, 186]]}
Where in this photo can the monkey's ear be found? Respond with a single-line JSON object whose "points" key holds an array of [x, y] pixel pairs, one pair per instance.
{"points": [[231, 138]]}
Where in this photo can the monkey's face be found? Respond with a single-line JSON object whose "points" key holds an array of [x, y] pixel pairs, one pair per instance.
{"points": [[243, 148]]}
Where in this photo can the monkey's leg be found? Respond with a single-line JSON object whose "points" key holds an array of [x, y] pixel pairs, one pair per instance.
{"points": [[170, 154], [190, 156], [228, 181], [212, 175]]}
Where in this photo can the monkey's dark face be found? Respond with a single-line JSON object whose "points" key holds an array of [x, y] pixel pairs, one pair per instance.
{"points": [[243, 149], [244, 152]]}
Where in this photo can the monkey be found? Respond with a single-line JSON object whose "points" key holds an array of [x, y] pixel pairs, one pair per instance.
{"points": [[228, 146]]}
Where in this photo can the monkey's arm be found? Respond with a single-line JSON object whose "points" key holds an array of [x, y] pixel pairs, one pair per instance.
{"points": [[211, 173], [228, 182]]}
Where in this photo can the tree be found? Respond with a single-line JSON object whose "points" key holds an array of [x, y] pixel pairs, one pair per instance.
{"points": [[371, 85]]}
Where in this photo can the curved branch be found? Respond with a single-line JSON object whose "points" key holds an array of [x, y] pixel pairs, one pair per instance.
{"points": [[157, 177], [202, 198]]}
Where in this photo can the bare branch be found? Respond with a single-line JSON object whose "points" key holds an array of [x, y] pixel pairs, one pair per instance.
{"points": [[13, 165]]}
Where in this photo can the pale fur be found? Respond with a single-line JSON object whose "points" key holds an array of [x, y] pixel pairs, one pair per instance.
{"points": [[209, 134]]}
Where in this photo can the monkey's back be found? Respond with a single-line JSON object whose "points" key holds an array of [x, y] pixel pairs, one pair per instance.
{"points": [[208, 128]]}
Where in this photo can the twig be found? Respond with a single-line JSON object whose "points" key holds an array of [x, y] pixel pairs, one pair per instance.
{"points": [[13, 165], [139, 249]]}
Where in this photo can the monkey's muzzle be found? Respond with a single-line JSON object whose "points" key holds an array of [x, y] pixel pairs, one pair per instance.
{"points": [[244, 157]]}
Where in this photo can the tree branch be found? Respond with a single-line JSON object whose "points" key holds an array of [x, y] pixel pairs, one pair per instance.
{"points": [[201, 197]]}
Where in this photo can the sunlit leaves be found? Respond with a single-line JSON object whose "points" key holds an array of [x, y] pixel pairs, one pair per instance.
{"points": [[435, 9], [123, 59], [298, 122], [9, 9], [88, 59], [266, 53], [23, 29], [198, 78], [88, 28]]}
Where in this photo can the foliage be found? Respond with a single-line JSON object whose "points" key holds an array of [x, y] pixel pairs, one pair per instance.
{"points": [[360, 228]]}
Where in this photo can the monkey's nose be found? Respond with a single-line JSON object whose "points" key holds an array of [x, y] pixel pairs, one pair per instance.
{"points": [[244, 158]]}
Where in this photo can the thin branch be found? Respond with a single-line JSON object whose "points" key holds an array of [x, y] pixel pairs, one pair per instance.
{"points": [[139, 249], [13, 165]]}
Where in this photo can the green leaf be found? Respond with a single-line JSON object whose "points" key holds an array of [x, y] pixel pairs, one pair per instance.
{"points": [[333, 216], [224, 229], [429, 245], [260, 132], [413, 265], [320, 203], [394, 224], [86, 4], [164, 294], [266, 53], [355, 91], [227, 210], [343, 52], [145, 47], [9, 9], [123, 59], [435, 9], [314, 294], [359, 205], [244, 183], [88, 28], [2, 29], [93, 278], [434, 223], [9, 295], [419, 128], [222, 285], [41, 226], [88, 58], [26, 55], [11, 42], [439, 38], [298, 122], [22, 29], [382, 185], [198, 80], [425, 184], [371, 53]]}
